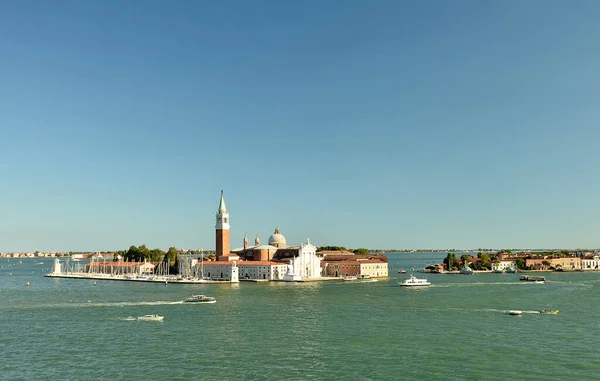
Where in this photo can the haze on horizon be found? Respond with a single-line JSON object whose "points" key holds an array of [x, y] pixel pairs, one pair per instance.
{"points": [[387, 124]]}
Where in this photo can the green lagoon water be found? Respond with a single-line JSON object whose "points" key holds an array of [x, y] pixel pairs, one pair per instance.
{"points": [[457, 329]]}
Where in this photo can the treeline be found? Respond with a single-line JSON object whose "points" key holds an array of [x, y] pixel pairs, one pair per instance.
{"points": [[142, 253], [361, 250]]}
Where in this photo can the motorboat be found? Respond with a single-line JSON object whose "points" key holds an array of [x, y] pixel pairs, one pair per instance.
{"points": [[549, 312], [401, 271], [413, 281], [200, 299], [466, 271], [511, 270], [150, 318], [498, 271], [350, 277], [515, 312]]}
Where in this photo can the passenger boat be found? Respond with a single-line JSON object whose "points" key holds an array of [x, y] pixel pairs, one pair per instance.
{"points": [[150, 318], [515, 312], [536, 279], [549, 312], [350, 277], [414, 282], [200, 299]]}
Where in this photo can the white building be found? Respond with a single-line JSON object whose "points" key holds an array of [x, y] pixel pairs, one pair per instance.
{"points": [[591, 263], [504, 265], [221, 270], [306, 265]]}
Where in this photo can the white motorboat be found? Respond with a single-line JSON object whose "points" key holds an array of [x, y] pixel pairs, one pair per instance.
{"points": [[350, 277], [515, 312], [150, 318], [200, 299], [413, 281]]}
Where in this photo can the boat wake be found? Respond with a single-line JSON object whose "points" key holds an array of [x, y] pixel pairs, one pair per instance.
{"points": [[89, 304], [477, 284]]}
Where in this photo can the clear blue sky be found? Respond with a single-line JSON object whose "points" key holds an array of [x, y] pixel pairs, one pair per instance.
{"points": [[380, 124]]}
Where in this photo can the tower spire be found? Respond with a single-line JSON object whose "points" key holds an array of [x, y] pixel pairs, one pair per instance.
{"points": [[222, 208]]}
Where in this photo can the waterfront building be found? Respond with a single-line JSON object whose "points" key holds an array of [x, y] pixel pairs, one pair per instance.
{"points": [[268, 270], [504, 265], [361, 266], [219, 270], [591, 262], [566, 263]]}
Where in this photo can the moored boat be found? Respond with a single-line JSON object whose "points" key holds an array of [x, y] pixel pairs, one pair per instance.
{"points": [[350, 277], [466, 271], [413, 281], [200, 299], [151, 318]]}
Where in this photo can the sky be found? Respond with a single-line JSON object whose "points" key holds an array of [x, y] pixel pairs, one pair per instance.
{"points": [[378, 124]]}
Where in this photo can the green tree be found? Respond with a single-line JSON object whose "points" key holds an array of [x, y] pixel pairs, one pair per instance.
{"points": [[361, 250], [332, 248], [465, 259], [451, 262], [546, 264], [486, 260], [520, 262], [133, 254]]}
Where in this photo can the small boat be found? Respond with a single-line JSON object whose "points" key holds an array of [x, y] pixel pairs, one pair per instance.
{"points": [[401, 271], [515, 312], [130, 318], [549, 312], [350, 277], [413, 281], [200, 299], [511, 270], [466, 271], [150, 318], [498, 271]]}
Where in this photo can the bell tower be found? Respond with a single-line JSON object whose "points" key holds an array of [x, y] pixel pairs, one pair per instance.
{"points": [[222, 230]]}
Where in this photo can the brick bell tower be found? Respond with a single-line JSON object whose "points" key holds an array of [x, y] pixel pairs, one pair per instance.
{"points": [[222, 230]]}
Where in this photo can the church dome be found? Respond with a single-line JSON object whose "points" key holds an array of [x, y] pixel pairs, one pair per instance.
{"points": [[277, 239]]}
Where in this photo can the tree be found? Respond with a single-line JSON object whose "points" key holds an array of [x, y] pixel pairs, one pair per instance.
{"points": [[485, 260], [332, 248], [362, 250], [133, 254], [546, 264], [520, 263], [451, 262], [465, 259]]}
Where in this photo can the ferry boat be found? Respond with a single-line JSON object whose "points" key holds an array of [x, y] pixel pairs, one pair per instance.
{"points": [[413, 281], [150, 318], [200, 299]]}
